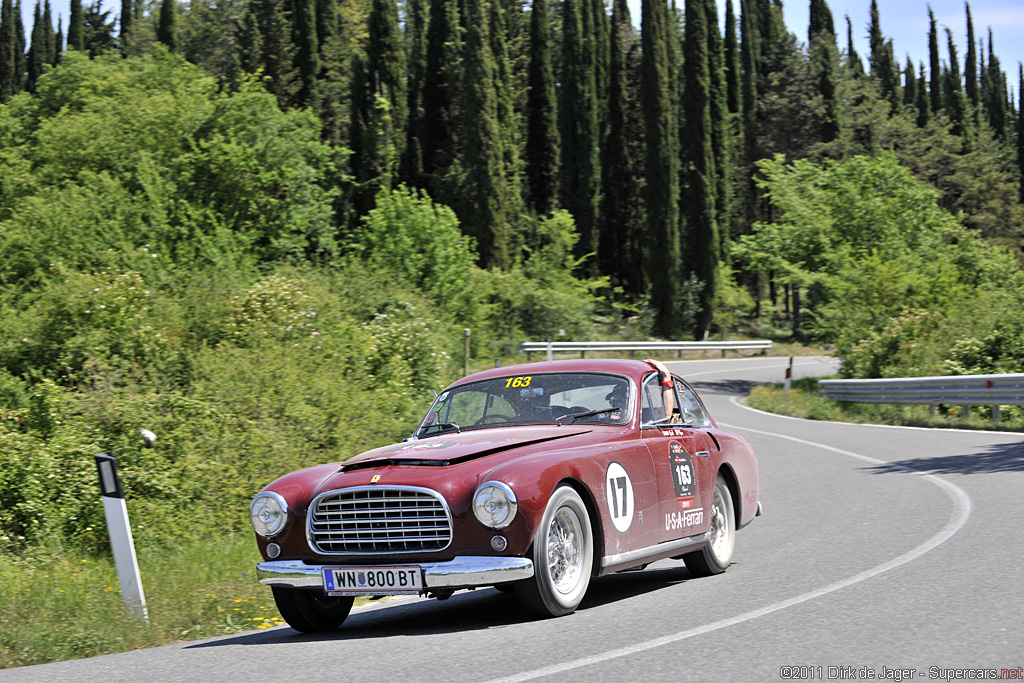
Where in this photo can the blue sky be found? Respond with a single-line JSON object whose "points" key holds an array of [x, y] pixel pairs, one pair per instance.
{"points": [[905, 21]]}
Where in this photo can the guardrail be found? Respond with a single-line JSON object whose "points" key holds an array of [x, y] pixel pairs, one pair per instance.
{"points": [[963, 390], [550, 347]]}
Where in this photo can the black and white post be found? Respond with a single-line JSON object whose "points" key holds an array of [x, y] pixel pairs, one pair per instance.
{"points": [[121, 537]]}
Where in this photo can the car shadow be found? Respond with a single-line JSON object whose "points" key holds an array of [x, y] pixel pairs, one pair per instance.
{"points": [[481, 609], [731, 387], [1005, 457]]}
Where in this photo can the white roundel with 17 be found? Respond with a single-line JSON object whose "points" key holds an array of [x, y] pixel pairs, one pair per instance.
{"points": [[619, 490]]}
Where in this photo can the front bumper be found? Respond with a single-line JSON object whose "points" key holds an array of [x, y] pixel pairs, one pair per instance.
{"points": [[462, 572]]}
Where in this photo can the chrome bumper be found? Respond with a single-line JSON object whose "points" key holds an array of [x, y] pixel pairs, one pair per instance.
{"points": [[462, 572]]}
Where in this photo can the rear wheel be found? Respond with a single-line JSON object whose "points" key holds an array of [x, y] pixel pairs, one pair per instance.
{"points": [[563, 555], [715, 555], [311, 611]]}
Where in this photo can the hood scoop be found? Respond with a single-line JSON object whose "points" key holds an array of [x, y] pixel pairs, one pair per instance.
{"points": [[425, 462]]}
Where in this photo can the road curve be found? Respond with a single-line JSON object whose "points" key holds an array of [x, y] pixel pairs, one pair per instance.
{"points": [[887, 551]]}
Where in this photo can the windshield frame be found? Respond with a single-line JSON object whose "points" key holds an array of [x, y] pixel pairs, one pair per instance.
{"points": [[541, 414]]}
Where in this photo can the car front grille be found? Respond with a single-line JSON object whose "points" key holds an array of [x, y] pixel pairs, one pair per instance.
{"points": [[375, 520]]}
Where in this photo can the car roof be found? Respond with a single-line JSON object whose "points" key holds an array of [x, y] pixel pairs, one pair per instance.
{"points": [[636, 369]]}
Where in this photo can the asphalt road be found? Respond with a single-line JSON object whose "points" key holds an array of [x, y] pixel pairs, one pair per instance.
{"points": [[882, 554]]}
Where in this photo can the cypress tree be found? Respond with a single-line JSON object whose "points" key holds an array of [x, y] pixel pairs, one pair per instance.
{"points": [[852, 58], [997, 100], [824, 61], [502, 30], [50, 46], [1020, 126], [76, 27], [307, 52], [378, 105], [541, 115], [579, 126], [127, 14], [37, 49], [971, 64], [935, 68], [883, 67], [443, 60], [748, 57], [484, 216], [702, 252], [732, 61], [621, 241], [20, 65], [416, 68], [956, 104], [923, 105], [8, 61], [660, 168], [719, 114], [909, 84], [167, 28], [58, 42]]}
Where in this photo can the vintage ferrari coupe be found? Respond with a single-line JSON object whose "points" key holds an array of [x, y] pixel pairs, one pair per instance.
{"points": [[532, 479]]}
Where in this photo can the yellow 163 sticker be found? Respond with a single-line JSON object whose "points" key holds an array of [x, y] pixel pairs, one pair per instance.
{"points": [[517, 382]]}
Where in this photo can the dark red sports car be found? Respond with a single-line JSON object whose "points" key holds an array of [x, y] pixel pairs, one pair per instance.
{"points": [[531, 478]]}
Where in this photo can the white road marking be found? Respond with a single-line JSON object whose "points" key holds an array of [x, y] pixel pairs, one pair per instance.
{"points": [[958, 517]]}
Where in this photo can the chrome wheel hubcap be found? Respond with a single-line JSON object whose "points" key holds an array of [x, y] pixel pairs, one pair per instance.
{"points": [[719, 526], [565, 556]]}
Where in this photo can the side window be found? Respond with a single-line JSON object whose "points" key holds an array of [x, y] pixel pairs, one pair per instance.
{"points": [[652, 406], [693, 411]]}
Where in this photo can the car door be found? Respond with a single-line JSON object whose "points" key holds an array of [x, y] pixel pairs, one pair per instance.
{"points": [[681, 459]]}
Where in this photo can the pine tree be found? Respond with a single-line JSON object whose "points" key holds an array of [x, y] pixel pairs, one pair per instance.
{"points": [[167, 28], [485, 193], [541, 116], [702, 252], [579, 126], [660, 169], [8, 60], [935, 67], [853, 62]]}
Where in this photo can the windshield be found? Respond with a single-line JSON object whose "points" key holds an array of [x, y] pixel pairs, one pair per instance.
{"points": [[542, 398]]}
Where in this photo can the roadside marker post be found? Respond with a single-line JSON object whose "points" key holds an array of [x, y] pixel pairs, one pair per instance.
{"points": [[789, 375], [121, 541]]}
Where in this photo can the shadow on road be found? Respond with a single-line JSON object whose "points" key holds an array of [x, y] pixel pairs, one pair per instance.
{"points": [[473, 610], [1006, 457]]}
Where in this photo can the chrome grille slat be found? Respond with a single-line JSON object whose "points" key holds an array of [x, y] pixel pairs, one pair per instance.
{"points": [[375, 520]]}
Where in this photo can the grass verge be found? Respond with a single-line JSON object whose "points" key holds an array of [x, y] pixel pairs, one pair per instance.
{"points": [[803, 401], [58, 604]]}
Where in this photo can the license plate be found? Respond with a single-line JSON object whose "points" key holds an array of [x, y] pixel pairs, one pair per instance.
{"points": [[373, 580]]}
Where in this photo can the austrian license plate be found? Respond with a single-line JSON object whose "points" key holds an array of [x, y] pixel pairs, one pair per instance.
{"points": [[373, 580]]}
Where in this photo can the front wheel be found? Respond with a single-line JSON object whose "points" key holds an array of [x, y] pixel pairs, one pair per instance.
{"points": [[715, 555], [311, 611], [563, 555]]}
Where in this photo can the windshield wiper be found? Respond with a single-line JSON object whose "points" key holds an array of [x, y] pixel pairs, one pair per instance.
{"points": [[589, 413], [443, 427]]}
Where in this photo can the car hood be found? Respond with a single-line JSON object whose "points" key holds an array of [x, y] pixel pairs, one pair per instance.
{"points": [[452, 449]]}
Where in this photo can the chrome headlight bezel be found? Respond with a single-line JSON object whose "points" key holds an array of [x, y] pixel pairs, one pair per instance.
{"points": [[268, 513], [495, 504]]}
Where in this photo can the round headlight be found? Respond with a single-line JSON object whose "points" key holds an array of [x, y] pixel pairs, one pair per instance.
{"points": [[494, 505], [268, 513]]}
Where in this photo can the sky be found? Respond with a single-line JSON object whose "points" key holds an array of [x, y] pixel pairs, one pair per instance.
{"points": [[904, 21]]}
